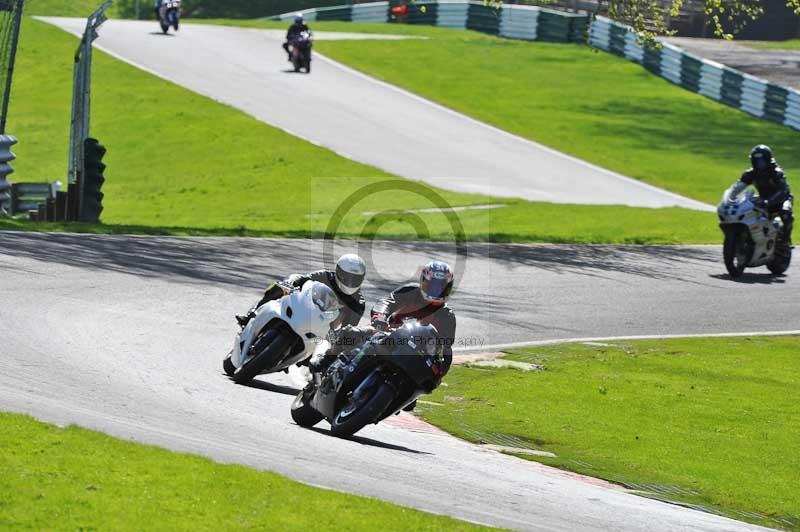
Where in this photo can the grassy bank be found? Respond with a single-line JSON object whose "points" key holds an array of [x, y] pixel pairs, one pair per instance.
{"points": [[714, 422], [74, 479], [791, 44], [590, 104], [228, 173]]}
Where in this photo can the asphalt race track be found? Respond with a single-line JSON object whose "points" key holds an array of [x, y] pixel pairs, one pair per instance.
{"points": [[363, 119], [126, 335]]}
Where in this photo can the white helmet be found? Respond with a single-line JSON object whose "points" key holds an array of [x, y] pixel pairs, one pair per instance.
{"points": [[298, 18], [350, 272]]}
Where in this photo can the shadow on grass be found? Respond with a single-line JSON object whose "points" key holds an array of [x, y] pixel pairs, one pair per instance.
{"points": [[691, 128]]}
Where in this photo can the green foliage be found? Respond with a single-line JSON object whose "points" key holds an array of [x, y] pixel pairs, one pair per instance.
{"points": [[719, 417], [650, 18], [55, 478]]}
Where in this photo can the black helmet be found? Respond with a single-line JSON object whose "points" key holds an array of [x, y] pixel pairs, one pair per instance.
{"points": [[761, 158], [436, 282]]}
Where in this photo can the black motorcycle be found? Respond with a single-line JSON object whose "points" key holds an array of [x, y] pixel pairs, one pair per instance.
{"points": [[301, 51], [373, 381], [169, 15]]}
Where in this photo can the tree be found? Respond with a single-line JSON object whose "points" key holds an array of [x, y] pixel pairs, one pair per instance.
{"points": [[650, 18]]}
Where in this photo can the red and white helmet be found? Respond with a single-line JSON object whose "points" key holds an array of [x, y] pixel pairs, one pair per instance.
{"points": [[436, 282]]}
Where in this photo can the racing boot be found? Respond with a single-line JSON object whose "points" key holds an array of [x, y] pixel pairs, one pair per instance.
{"points": [[244, 319]]}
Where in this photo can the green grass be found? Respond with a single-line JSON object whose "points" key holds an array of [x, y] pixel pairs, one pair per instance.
{"points": [[55, 478], [720, 417], [65, 8], [179, 163], [791, 44]]}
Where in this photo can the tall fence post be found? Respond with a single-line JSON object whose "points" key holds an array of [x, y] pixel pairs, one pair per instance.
{"points": [[81, 111], [10, 21]]}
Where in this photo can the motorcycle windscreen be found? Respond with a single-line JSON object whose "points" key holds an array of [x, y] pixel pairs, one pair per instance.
{"points": [[326, 301]]}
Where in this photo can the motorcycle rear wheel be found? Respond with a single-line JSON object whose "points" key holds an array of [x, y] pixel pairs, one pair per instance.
{"points": [[302, 413], [277, 342], [734, 251], [352, 418], [780, 263]]}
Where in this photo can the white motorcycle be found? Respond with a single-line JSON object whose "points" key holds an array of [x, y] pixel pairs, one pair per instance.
{"points": [[752, 239], [283, 332]]}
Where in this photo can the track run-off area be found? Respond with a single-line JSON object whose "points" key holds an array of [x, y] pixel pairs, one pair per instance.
{"points": [[126, 334]]}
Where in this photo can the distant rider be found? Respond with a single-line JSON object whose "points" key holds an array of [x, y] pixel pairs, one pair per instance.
{"points": [[425, 302], [295, 29], [345, 281], [774, 193]]}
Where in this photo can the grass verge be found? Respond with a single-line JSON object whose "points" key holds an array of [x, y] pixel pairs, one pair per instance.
{"points": [[791, 44], [75, 479], [66, 8], [180, 163], [714, 421]]}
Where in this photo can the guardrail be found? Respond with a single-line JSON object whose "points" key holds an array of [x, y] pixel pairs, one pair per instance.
{"points": [[512, 21], [6, 156], [726, 85], [42, 201]]}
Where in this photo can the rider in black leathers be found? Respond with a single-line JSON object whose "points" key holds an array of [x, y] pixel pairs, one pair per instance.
{"points": [[345, 281], [295, 29], [773, 190], [424, 301]]}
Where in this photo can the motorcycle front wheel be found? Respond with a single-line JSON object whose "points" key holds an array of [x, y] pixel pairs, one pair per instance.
{"points": [[302, 413], [227, 366], [734, 251], [164, 27], [358, 413], [270, 349]]}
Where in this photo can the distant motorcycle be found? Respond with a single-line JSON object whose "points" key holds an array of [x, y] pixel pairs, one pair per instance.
{"points": [[301, 51], [373, 381], [752, 239], [169, 14], [283, 332]]}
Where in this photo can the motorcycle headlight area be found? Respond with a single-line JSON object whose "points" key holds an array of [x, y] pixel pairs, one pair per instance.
{"points": [[326, 301]]}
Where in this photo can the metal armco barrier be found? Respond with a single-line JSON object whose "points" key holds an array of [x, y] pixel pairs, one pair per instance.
{"points": [[27, 197], [6, 156], [511, 21], [720, 83]]}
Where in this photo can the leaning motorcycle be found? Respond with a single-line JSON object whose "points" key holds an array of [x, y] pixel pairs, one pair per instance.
{"points": [[752, 238], [301, 51], [283, 332], [372, 381], [169, 14]]}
